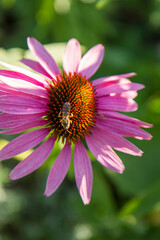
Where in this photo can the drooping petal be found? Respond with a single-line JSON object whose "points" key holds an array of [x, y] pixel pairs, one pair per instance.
{"points": [[125, 118], [102, 80], [58, 170], [11, 121], [24, 71], [126, 129], [23, 127], [72, 56], [22, 100], [116, 103], [83, 172], [116, 141], [23, 143], [24, 86], [20, 104], [16, 109], [7, 90], [91, 61], [36, 66], [17, 75], [34, 160], [104, 154], [43, 57]]}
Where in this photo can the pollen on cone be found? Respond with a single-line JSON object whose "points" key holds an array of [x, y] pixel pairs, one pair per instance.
{"points": [[79, 93]]}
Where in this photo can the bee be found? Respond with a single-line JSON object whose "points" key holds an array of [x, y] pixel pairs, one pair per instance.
{"points": [[66, 115]]}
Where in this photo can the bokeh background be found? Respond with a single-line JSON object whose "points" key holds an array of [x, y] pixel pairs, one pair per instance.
{"points": [[123, 207]]}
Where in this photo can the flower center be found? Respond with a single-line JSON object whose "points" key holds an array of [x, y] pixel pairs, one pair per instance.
{"points": [[72, 107]]}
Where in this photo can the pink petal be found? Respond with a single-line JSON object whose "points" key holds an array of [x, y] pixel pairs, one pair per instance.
{"points": [[130, 94], [23, 127], [58, 170], [9, 91], [11, 121], [116, 141], [91, 61], [33, 161], [16, 109], [44, 58], [22, 100], [24, 71], [116, 103], [118, 88], [24, 86], [105, 84], [126, 119], [123, 128], [23, 143], [21, 104], [111, 78], [83, 172], [104, 154], [17, 75], [35, 66], [72, 56]]}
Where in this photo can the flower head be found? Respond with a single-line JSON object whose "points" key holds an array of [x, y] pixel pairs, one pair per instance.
{"points": [[68, 107]]}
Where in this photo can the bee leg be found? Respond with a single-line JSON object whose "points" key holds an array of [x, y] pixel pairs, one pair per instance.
{"points": [[69, 131], [60, 114]]}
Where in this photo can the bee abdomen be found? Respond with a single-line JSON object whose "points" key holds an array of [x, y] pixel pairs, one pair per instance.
{"points": [[66, 109]]}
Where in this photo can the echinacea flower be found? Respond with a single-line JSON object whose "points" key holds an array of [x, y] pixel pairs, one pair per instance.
{"points": [[68, 107]]}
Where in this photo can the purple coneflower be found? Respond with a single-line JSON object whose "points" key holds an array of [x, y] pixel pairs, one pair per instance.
{"points": [[68, 107]]}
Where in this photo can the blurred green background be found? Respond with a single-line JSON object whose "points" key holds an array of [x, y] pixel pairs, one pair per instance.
{"points": [[125, 207]]}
